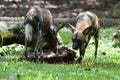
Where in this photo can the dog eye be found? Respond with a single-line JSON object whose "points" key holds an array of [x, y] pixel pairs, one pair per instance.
{"points": [[73, 39], [77, 40]]}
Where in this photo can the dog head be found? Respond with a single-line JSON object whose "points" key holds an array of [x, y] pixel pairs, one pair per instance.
{"points": [[80, 36]]}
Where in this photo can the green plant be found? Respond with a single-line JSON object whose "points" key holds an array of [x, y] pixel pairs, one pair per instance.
{"points": [[105, 68]]}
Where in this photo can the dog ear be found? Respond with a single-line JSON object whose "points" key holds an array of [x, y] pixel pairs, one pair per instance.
{"points": [[72, 27], [60, 27], [87, 30]]}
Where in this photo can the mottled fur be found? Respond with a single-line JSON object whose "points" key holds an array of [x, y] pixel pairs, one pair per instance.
{"points": [[87, 25], [39, 30]]}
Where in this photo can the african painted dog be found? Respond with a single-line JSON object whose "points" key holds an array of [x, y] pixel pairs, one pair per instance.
{"points": [[39, 30], [87, 25]]}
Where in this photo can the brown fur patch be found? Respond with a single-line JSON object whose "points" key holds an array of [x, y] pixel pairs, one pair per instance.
{"points": [[30, 13], [87, 22]]}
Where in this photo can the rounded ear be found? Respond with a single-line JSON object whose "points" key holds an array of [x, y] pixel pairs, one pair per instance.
{"points": [[65, 24], [87, 30], [72, 27], [60, 27]]}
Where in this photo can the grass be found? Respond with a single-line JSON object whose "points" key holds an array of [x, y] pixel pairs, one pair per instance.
{"points": [[107, 67]]}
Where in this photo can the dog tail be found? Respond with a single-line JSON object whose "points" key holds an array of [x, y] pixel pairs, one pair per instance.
{"points": [[96, 22]]}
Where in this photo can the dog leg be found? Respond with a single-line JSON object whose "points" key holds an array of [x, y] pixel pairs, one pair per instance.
{"points": [[39, 46], [26, 48], [96, 45], [81, 52]]}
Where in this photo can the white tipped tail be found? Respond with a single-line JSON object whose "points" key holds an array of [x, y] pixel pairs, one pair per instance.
{"points": [[28, 32]]}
